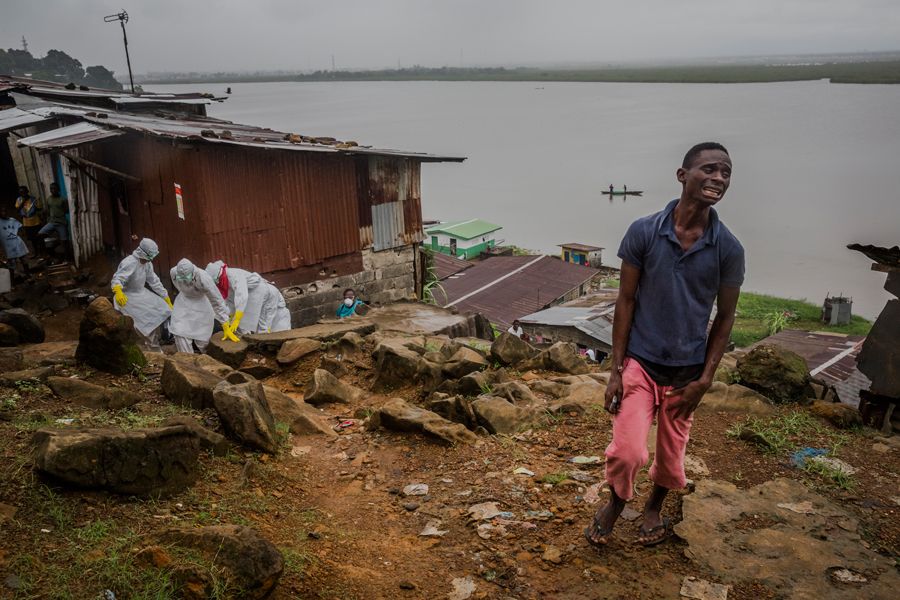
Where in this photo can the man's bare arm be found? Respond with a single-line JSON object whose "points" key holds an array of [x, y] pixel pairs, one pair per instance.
{"points": [[623, 317]]}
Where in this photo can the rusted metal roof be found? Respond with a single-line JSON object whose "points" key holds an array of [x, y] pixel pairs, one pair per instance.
{"points": [[196, 128], [52, 90], [445, 266], [829, 356], [580, 247], [14, 118], [68, 136], [889, 257], [504, 288]]}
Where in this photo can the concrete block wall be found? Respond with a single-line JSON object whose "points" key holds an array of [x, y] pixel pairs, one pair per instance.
{"points": [[387, 276]]}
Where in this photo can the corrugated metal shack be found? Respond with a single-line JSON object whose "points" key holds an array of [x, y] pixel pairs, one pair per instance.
{"points": [[314, 215]]}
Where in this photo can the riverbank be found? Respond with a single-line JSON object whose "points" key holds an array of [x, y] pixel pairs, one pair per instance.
{"points": [[870, 71]]}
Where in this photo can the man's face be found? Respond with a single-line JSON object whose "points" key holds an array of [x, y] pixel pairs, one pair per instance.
{"points": [[54, 189], [708, 177], [350, 294]]}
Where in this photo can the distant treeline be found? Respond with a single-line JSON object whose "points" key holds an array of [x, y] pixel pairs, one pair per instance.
{"points": [[887, 71], [56, 66]]}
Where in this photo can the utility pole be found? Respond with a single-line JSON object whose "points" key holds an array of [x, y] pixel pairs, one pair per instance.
{"points": [[332, 63], [122, 18], [24, 44]]}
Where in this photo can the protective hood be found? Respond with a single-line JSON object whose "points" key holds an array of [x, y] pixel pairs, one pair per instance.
{"points": [[184, 271], [214, 269], [146, 250]]}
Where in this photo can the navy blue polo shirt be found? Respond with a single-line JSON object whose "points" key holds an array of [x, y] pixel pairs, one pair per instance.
{"points": [[677, 289]]}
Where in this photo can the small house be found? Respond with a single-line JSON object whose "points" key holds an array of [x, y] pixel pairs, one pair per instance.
{"points": [[582, 254], [463, 239]]}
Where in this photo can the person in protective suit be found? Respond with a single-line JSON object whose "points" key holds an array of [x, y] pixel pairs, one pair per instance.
{"points": [[197, 306], [244, 293], [274, 315], [149, 309]]}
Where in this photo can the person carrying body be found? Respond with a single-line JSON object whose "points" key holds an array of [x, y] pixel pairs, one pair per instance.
{"points": [[274, 315], [197, 306], [57, 209], [243, 293], [679, 261], [13, 245], [349, 304], [149, 309], [30, 209]]}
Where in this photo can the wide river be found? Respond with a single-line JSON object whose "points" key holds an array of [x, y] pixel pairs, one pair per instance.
{"points": [[816, 165]]}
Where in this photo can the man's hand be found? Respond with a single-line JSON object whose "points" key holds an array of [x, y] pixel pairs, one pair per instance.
{"points": [[613, 390], [691, 395]]}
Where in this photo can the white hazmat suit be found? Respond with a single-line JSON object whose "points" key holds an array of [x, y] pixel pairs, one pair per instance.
{"points": [[274, 315], [246, 293], [148, 309], [196, 308]]}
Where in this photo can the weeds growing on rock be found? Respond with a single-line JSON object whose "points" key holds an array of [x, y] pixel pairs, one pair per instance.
{"points": [[555, 478]]}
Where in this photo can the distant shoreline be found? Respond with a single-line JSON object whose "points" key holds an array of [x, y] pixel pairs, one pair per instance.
{"points": [[865, 72]]}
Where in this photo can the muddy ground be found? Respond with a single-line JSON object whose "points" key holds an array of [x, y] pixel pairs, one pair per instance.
{"points": [[336, 510]]}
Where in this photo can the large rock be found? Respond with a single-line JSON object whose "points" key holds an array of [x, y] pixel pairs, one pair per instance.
{"points": [[11, 359], [453, 408], [226, 351], [514, 391], [399, 415], [107, 340], [245, 414], [793, 546], [778, 374], [187, 384], [734, 398], [10, 378], [91, 395], [27, 326], [300, 417], [581, 397], [248, 564], [139, 461], [477, 383], [510, 350], [840, 415], [293, 350], [8, 335], [209, 440], [462, 362], [396, 366], [51, 353], [325, 388], [564, 357], [499, 416]]}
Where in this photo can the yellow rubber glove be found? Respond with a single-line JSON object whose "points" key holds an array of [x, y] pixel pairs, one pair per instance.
{"points": [[120, 297], [229, 333], [238, 315], [169, 302]]}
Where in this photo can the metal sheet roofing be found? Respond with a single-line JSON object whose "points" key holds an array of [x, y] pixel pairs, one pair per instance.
{"points": [[445, 266], [466, 230], [14, 118], [68, 136], [504, 288], [580, 247], [58, 91], [217, 131], [595, 321], [889, 257]]}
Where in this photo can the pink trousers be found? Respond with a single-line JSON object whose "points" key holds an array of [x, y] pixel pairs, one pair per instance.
{"points": [[642, 401]]}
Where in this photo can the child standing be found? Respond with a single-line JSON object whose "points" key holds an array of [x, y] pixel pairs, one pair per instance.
{"points": [[13, 246]]}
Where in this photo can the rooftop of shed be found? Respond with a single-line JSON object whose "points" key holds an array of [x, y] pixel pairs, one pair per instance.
{"points": [[467, 230]]}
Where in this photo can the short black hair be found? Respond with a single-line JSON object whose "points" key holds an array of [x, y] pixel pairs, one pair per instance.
{"points": [[349, 290], [697, 149]]}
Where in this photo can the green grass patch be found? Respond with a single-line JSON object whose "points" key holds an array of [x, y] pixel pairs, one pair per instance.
{"points": [[787, 433], [755, 315], [831, 475], [555, 478]]}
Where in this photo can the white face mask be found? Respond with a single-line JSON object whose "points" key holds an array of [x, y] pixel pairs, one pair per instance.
{"points": [[348, 302]]}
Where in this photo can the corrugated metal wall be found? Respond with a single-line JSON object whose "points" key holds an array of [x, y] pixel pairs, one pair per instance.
{"points": [[392, 201], [84, 206]]}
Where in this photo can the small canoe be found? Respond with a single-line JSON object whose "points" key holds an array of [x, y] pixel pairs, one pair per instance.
{"points": [[624, 193]]}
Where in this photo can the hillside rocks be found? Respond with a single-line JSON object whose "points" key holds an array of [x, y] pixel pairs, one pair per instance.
{"points": [[226, 351], [139, 461], [245, 414], [90, 395], [462, 362], [840, 415], [107, 340], [248, 562], [188, 385], [734, 399], [210, 441], [510, 350], [8, 335], [325, 388], [778, 374], [293, 350], [399, 415], [11, 359], [9, 378], [28, 328], [564, 357], [499, 416], [300, 417]]}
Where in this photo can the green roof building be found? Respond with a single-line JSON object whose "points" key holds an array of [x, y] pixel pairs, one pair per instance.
{"points": [[464, 239]]}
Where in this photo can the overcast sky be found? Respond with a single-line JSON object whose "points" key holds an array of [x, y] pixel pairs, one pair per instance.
{"points": [[242, 35]]}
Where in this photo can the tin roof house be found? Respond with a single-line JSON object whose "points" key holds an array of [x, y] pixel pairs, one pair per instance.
{"points": [[315, 215], [463, 239]]}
